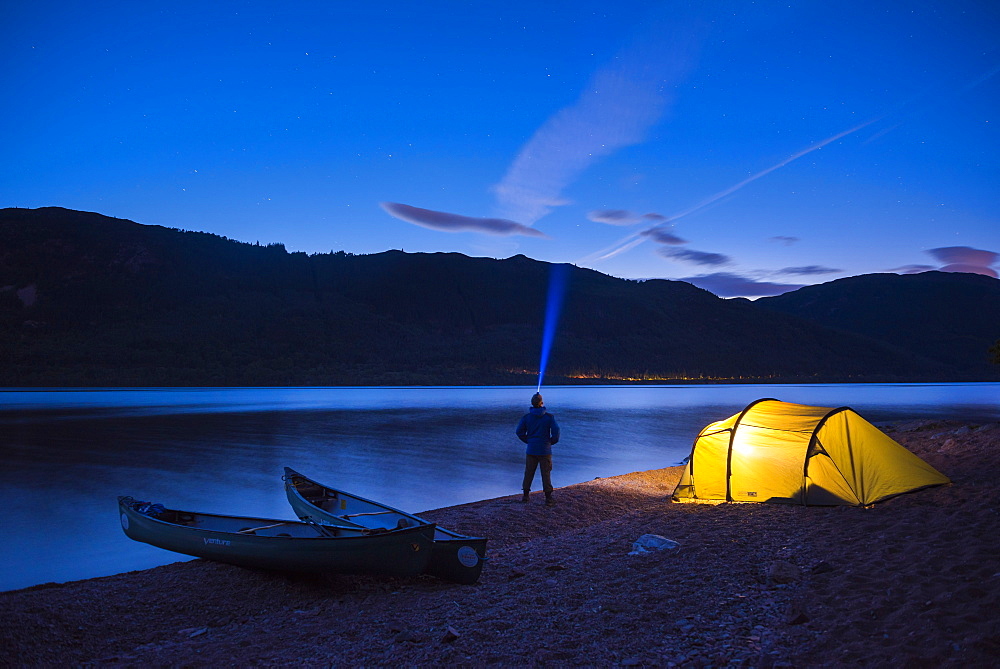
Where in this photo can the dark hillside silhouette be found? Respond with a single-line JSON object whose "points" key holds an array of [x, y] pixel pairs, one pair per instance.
{"points": [[91, 300], [948, 317]]}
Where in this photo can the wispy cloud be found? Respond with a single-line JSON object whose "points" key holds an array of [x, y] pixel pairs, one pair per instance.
{"points": [[614, 217], [623, 217], [696, 257], [783, 239], [442, 220], [725, 284], [662, 234], [617, 109], [808, 270]]}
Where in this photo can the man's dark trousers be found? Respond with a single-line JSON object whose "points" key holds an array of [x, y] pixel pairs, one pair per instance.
{"points": [[531, 462]]}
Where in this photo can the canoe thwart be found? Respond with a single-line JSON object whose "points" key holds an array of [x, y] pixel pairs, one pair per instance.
{"points": [[251, 530]]}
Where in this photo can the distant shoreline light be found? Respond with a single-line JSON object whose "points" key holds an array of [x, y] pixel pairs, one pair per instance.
{"points": [[680, 376]]}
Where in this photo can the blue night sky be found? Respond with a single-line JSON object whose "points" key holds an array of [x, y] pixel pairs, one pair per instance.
{"points": [[744, 146]]}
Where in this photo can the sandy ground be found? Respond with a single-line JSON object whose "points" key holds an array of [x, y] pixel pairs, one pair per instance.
{"points": [[911, 582]]}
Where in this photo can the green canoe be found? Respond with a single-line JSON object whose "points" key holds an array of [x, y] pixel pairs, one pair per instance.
{"points": [[454, 557], [282, 545]]}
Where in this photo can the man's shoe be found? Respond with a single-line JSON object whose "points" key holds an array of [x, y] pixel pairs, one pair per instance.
{"points": [[549, 501], [524, 498]]}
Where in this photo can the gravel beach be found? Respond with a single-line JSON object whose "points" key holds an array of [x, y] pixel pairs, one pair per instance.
{"points": [[913, 581]]}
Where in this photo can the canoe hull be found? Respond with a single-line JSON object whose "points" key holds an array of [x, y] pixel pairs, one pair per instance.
{"points": [[458, 558], [285, 546], [454, 557]]}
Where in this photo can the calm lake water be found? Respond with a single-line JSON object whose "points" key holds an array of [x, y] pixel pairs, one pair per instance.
{"points": [[68, 454]]}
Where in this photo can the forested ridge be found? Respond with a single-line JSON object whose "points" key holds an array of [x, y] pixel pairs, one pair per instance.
{"points": [[88, 300]]}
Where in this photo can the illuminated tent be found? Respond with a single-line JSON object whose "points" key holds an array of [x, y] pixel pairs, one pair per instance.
{"points": [[795, 454]]}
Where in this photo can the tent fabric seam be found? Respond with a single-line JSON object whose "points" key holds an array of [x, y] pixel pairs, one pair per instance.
{"points": [[732, 437]]}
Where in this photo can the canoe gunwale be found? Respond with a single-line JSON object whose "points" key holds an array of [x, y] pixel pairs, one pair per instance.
{"points": [[404, 552], [451, 559]]}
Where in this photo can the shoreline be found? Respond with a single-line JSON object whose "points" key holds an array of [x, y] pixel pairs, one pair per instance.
{"points": [[911, 581], [529, 382]]}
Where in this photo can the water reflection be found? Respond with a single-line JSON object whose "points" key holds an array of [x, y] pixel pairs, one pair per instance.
{"points": [[69, 453]]}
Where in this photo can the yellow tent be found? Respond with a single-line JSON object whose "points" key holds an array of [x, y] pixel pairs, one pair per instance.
{"points": [[791, 453]]}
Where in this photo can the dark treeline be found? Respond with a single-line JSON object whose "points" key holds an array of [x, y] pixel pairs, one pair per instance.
{"points": [[94, 301]]}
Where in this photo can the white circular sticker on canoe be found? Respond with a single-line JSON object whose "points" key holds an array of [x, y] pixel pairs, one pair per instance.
{"points": [[124, 521], [467, 556]]}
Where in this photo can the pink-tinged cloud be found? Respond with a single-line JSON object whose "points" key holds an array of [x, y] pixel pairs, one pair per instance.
{"points": [[965, 259], [809, 270], [696, 257], [969, 269], [964, 255], [787, 241], [662, 235], [913, 269], [725, 284], [442, 220]]}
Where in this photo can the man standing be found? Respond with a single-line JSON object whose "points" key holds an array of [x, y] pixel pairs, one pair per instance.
{"points": [[539, 430]]}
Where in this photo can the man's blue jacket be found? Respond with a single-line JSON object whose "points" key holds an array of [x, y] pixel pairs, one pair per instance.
{"points": [[539, 430]]}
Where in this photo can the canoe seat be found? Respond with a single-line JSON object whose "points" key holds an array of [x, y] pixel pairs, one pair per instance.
{"points": [[309, 490]]}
